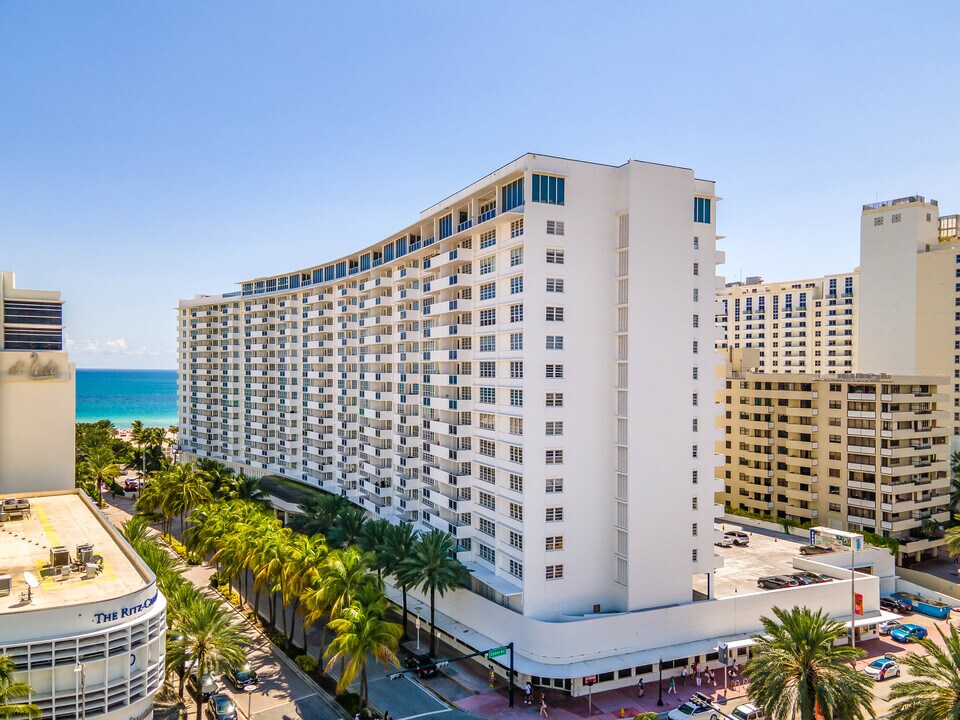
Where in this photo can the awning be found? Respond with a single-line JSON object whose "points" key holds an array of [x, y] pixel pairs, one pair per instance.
{"points": [[502, 586]]}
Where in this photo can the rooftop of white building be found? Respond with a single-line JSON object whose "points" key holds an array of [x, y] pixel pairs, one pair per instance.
{"points": [[40, 522]]}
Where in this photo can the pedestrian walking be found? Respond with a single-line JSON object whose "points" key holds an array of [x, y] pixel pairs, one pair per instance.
{"points": [[640, 688], [699, 678], [683, 676], [528, 690], [672, 687], [543, 707]]}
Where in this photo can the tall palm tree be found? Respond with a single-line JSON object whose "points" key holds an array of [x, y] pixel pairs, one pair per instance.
{"points": [[249, 488], [434, 567], [211, 639], [933, 692], [796, 670], [361, 633], [218, 477], [100, 467], [270, 562], [373, 537], [348, 528], [301, 570], [345, 573], [318, 513], [11, 690], [398, 544]]}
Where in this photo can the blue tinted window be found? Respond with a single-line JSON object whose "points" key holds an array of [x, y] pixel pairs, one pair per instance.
{"points": [[328, 273], [402, 246], [295, 281], [701, 210], [365, 262], [387, 253], [548, 189], [511, 195], [342, 269], [316, 276], [446, 226]]}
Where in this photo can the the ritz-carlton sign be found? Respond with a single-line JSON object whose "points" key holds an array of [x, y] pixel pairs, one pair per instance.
{"points": [[34, 369], [102, 617]]}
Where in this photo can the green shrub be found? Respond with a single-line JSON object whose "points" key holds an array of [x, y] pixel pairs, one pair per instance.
{"points": [[646, 716], [216, 581], [892, 544], [116, 488], [306, 663], [279, 639]]}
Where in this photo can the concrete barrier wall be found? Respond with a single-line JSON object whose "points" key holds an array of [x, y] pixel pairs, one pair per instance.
{"points": [[926, 585], [764, 525]]}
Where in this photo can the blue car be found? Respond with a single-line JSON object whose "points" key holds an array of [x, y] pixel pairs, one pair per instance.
{"points": [[908, 633]]}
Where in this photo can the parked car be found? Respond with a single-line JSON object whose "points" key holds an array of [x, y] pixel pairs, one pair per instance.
{"points": [[418, 663], [908, 633], [816, 577], [882, 669], [243, 677], [738, 537], [724, 542], [747, 712], [772, 582], [892, 604], [131, 485], [802, 579], [886, 627], [698, 706], [815, 550], [221, 707], [205, 687], [790, 580]]}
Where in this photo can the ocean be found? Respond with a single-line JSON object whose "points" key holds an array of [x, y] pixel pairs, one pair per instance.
{"points": [[127, 395]]}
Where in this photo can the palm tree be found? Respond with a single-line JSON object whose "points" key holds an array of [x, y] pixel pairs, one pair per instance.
{"points": [[796, 670], [318, 513], [218, 476], [211, 639], [952, 543], [301, 570], [249, 489], [933, 692], [348, 528], [11, 690], [345, 573], [398, 544], [373, 536], [361, 632], [100, 467], [434, 567]]}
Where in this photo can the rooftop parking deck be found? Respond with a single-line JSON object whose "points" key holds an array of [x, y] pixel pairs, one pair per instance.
{"points": [[63, 519]]}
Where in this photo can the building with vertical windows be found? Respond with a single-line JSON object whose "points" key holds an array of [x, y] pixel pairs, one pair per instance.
{"points": [[859, 452], [37, 392]]}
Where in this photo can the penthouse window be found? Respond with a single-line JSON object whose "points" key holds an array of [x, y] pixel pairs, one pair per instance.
{"points": [[32, 313], [33, 339], [701, 210], [511, 195], [548, 189]]}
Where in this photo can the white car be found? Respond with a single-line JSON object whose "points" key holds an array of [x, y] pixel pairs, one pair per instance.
{"points": [[724, 541], [887, 625], [696, 707], [882, 669], [747, 712]]}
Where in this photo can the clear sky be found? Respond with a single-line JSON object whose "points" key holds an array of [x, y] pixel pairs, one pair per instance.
{"points": [[150, 151]]}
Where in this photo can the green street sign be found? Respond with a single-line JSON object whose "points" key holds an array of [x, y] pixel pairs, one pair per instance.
{"points": [[496, 652]]}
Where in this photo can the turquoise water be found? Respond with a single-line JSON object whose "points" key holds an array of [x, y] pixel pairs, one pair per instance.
{"points": [[127, 395]]}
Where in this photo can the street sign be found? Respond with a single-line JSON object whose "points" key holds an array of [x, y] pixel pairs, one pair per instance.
{"points": [[589, 680], [497, 652]]}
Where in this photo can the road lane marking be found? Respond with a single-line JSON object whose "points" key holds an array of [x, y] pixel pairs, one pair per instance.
{"points": [[435, 712]]}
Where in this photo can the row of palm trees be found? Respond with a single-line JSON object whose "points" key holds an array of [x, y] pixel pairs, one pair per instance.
{"points": [[797, 670]]}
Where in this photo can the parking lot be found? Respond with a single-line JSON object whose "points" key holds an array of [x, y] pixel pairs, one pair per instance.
{"points": [[767, 554]]}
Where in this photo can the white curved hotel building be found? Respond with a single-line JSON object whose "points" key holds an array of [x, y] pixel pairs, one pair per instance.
{"points": [[88, 639], [528, 366]]}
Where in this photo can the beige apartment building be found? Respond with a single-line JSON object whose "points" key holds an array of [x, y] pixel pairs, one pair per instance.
{"points": [[859, 452]]}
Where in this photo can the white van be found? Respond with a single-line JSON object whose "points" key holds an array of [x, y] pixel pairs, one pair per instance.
{"points": [[747, 712]]}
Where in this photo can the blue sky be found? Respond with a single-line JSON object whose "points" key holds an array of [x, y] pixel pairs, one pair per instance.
{"points": [[152, 151]]}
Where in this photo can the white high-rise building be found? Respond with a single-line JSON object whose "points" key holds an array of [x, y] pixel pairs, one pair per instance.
{"points": [[528, 366]]}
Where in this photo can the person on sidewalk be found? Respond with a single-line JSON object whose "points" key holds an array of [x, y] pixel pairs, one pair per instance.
{"points": [[683, 676], [672, 687], [543, 706], [640, 688], [528, 693]]}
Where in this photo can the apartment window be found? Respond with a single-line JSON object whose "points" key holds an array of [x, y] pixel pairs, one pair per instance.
{"points": [[694, 503], [555, 285], [701, 210], [487, 421], [516, 313], [516, 285], [516, 540], [516, 482], [554, 227], [487, 473], [694, 530], [554, 256], [554, 342], [488, 395], [488, 343], [554, 457], [554, 572], [554, 371], [516, 341], [516, 512], [486, 553], [515, 569], [554, 399], [511, 195], [487, 527], [554, 314], [694, 425], [488, 265], [696, 295], [488, 317], [696, 243], [694, 451], [695, 373], [488, 291], [554, 485], [554, 514], [516, 257], [488, 369], [696, 347], [516, 228], [516, 369], [693, 555], [554, 542], [487, 500], [516, 426], [696, 268], [696, 321], [878, 221], [516, 398], [833, 507], [554, 427], [693, 477], [547, 189], [488, 239], [488, 448]]}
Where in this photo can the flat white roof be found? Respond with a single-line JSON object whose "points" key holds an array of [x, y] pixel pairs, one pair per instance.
{"points": [[64, 519]]}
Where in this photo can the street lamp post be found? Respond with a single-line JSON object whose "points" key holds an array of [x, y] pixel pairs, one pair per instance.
{"points": [[853, 595], [660, 683], [249, 691], [82, 676], [417, 610]]}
